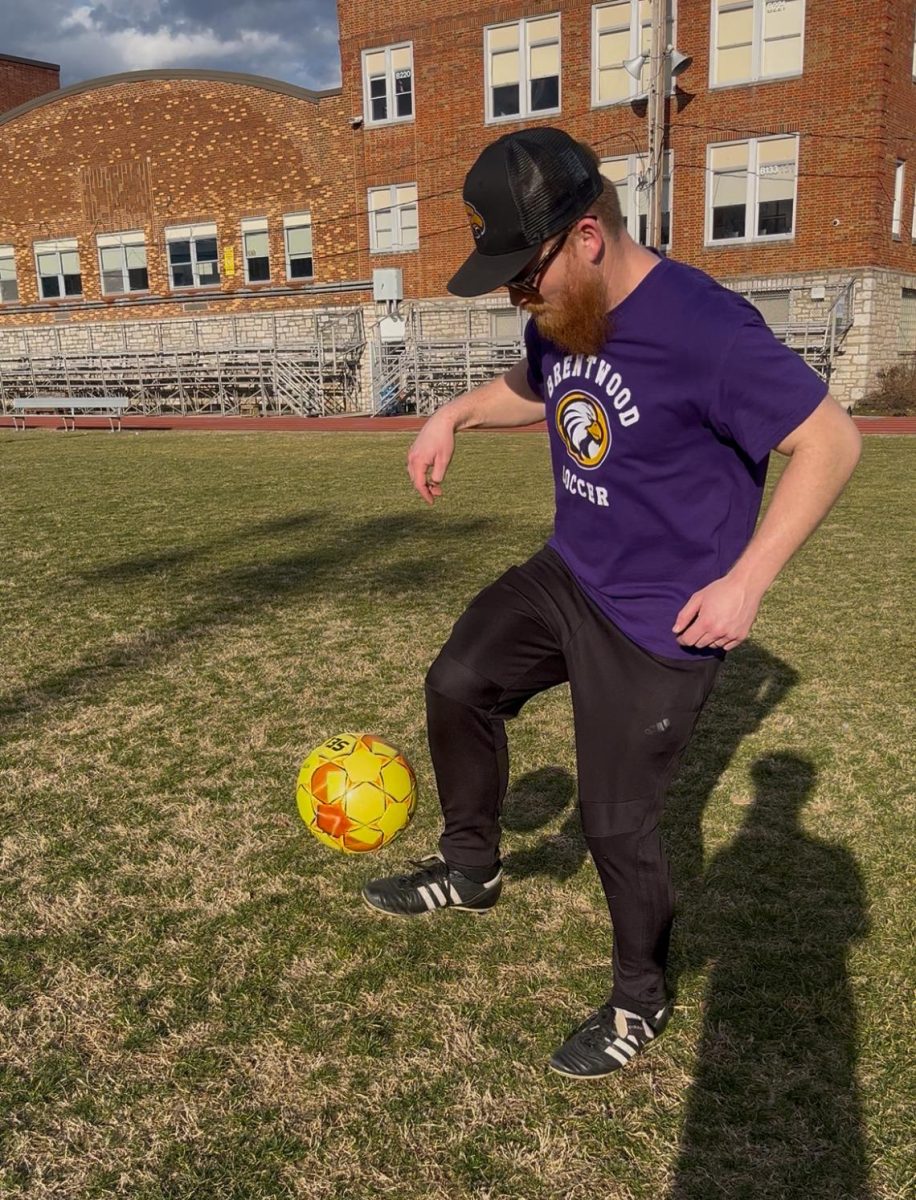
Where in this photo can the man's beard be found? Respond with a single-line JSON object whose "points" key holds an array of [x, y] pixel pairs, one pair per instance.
{"points": [[578, 320]]}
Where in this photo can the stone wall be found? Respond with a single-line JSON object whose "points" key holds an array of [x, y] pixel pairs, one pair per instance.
{"points": [[281, 329], [871, 344]]}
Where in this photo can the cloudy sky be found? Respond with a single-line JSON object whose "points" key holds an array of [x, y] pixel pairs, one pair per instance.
{"points": [[294, 40]]}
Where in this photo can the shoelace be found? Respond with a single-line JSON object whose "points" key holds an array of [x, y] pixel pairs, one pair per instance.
{"points": [[598, 1026], [431, 870], [602, 1026]]}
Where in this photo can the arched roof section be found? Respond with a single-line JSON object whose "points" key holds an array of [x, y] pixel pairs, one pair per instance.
{"points": [[104, 81]]}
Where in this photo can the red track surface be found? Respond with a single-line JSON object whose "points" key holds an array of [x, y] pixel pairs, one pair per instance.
{"points": [[883, 425]]}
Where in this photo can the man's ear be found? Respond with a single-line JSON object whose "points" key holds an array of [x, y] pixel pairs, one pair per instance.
{"points": [[592, 238]]}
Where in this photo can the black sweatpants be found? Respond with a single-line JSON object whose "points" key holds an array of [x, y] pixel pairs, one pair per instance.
{"points": [[634, 713]]}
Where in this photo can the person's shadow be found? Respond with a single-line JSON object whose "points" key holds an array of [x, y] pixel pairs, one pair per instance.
{"points": [[751, 684], [535, 800], [773, 1111]]}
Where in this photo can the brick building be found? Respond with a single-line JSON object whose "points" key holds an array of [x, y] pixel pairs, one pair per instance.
{"points": [[143, 186], [160, 197], [791, 165], [24, 79]]}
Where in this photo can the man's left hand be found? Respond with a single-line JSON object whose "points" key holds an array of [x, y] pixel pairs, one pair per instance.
{"points": [[720, 615]]}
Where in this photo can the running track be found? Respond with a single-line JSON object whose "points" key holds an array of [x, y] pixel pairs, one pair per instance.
{"points": [[879, 425]]}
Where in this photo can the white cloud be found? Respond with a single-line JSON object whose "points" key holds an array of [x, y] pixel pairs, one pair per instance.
{"points": [[80, 18], [166, 48], [295, 40], [136, 50]]}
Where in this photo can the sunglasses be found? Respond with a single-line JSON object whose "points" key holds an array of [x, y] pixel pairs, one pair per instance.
{"points": [[527, 284]]}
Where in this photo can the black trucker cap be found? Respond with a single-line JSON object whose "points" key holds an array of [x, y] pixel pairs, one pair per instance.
{"points": [[523, 188]]}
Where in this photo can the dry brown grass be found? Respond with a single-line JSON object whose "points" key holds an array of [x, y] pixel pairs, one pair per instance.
{"points": [[194, 1005]]}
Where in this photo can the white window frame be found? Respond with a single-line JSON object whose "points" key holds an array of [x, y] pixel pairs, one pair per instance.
{"points": [[58, 246], [130, 239], [897, 214], [636, 89], [524, 83], [254, 225], [752, 194], [390, 93], [192, 233], [396, 209], [756, 75], [636, 167], [299, 220], [8, 255]]}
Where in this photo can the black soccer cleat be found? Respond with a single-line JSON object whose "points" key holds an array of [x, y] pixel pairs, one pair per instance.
{"points": [[435, 885], [606, 1041]]}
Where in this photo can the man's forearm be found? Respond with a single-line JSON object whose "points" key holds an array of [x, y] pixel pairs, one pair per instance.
{"points": [[505, 401], [808, 488]]}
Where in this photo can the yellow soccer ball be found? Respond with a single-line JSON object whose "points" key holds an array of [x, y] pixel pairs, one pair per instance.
{"points": [[356, 792]]}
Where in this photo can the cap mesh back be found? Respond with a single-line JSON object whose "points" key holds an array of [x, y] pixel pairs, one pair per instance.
{"points": [[551, 185]]}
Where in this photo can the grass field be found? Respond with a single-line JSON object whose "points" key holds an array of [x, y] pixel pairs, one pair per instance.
{"points": [[193, 1002]]}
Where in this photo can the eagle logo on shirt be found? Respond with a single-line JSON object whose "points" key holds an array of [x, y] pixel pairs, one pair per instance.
{"points": [[583, 425]]}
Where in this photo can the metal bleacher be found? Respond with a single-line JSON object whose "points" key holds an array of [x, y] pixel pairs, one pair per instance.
{"points": [[208, 368], [819, 342], [313, 362], [446, 350]]}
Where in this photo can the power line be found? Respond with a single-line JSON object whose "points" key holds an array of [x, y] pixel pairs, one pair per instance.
{"points": [[462, 226], [412, 163]]}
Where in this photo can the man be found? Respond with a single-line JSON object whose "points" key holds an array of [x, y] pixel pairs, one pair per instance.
{"points": [[664, 394]]}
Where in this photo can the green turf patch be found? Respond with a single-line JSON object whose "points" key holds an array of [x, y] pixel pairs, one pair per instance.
{"points": [[193, 1002]]}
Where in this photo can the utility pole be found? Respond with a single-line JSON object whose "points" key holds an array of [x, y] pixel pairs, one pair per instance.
{"points": [[658, 76]]}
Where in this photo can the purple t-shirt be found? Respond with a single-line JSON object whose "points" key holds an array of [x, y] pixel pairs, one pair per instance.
{"points": [[660, 445]]}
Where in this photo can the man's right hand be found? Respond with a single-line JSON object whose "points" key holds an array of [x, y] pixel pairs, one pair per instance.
{"points": [[430, 455], [504, 402]]}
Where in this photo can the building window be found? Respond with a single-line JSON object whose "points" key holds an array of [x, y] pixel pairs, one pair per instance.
{"points": [[193, 256], [906, 337], [297, 230], [255, 250], [388, 84], [756, 39], [621, 31], [9, 288], [58, 265], [393, 218], [505, 325], [626, 173], [773, 307], [897, 217], [523, 68], [751, 190], [122, 262]]}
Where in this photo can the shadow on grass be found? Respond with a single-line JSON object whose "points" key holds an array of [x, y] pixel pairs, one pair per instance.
{"points": [[773, 1110], [534, 800], [362, 537], [750, 686], [400, 558], [128, 569]]}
